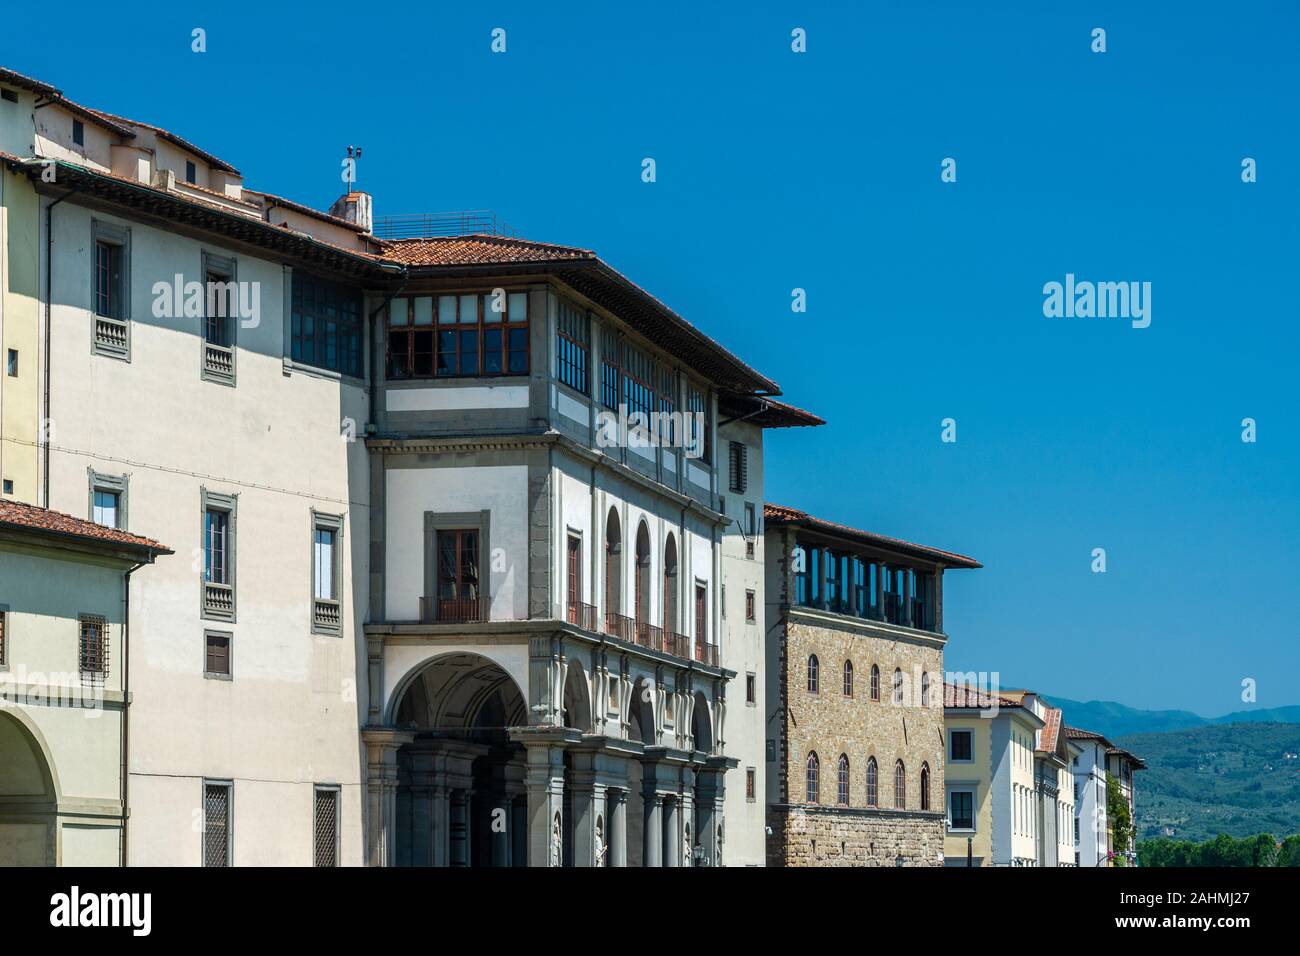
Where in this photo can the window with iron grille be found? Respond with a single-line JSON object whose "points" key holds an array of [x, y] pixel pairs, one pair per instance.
{"points": [[739, 459], [325, 324], [326, 833], [572, 347], [93, 651], [470, 333], [216, 823]]}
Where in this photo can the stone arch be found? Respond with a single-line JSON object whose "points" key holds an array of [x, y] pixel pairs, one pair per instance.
{"points": [[643, 591], [613, 563], [702, 724], [641, 717], [577, 698], [670, 622], [29, 793]]}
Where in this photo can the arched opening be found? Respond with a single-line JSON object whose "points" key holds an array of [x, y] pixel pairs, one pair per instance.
{"points": [[813, 781], [900, 786], [28, 797], [577, 699], [642, 575], [702, 724], [671, 625], [613, 564], [461, 799], [848, 678], [873, 783], [925, 786], [814, 677], [842, 783]]}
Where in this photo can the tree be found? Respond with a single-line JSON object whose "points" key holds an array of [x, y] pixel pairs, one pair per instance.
{"points": [[1117, 812]]}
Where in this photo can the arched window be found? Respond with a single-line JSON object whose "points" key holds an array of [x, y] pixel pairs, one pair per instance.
{"points": [[848, 678], [900, 786], [670, 586], [641, 603], [925, 786], [925, 689], [814, 777], [873, 788], [613, 564], [812, 674], [875, 682], [842, 796], [898, 685]]}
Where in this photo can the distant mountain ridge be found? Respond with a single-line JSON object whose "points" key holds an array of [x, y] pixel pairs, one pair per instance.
{"points": [[1112, 719]]}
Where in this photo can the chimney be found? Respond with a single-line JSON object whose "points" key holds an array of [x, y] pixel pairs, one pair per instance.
{"points": [[355, 207]]}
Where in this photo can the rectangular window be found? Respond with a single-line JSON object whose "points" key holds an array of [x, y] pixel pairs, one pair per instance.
{"points": [[751, 689], [191, 172], [325, 837], [458, 335], [701, 614], [572, 347], [110, 289], [700, 442], [216, 823], [216, 654], [218, 556], [961, 745], [749, 607], [738, 457], [79, 132], [751, 777], [573, 580], [105, 510], [961, 810], [326, 573], [1076, 829], [93, 649], [458, 575], [221, 303], [11, 364], [108, 500], [4, 647], [325, 325]]}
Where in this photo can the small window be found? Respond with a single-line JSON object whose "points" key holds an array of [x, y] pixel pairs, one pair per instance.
{"points": [[79, 132], [106, 507], [751, 778], [216, 823], [327, 574], [751, 689], [108, 500], [9, 96], [842, 792], [11, 363], [326, 827], [925, 690], [960, 745], [898, 685], [191, 172], [739, 459], [216, 654], [458, 575], [875, 682], [873, 783], [925, 786], [4, 652], [749, 607], [813, 777], [93, 650], [221, 305], [900, 786], [218, 556], [8, 486], [812, 674]]}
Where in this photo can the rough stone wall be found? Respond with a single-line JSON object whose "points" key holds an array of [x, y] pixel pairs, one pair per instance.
{"points": [[835, 836], [831, 723]]}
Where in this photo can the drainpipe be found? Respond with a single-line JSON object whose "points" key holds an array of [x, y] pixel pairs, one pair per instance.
{"points": [[49, 305], [126, 696]]}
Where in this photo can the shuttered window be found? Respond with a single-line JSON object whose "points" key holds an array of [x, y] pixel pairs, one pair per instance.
{"points": [[739, 456], [216, 824], [326, 832]]}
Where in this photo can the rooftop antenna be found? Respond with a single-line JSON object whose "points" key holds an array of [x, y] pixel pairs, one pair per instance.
{"points": [[354, 154]]}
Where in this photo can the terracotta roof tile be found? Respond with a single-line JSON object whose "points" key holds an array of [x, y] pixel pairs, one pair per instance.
{"points": [[478, 249], [968, 696], [1051, 731], [780, 514], [18, 514]]}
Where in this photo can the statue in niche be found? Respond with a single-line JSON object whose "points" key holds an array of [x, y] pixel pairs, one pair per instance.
{"points": [[557, 842]]}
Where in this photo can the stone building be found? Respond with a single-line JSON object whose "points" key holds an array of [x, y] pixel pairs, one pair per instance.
{"points": [[854, 687]]}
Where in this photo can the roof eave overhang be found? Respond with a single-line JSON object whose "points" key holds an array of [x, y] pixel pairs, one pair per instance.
{"points": [[916, 552], [125, 551]]}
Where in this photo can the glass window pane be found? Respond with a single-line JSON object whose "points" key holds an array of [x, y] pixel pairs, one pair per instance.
{"points": [[492, 352], [446, 309], [324, 564], [398, 313], [469, 352], [423, 312], [518, 307], [105, 511], [494, 307], [469, 309], [446, 353]]}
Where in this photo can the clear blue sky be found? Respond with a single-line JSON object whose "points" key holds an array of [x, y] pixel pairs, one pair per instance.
{"points": [[821, 171]]}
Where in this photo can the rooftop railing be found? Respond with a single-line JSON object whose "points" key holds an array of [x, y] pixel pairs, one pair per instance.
{"points": [[434, 225]]}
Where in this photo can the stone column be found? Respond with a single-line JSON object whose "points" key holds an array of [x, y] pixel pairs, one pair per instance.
{"points": [[458, 831], [710, 792], [672, 835], [652, 833], [545, 784], [590, 825], [382, 744], [617, 828], [519, 831]]}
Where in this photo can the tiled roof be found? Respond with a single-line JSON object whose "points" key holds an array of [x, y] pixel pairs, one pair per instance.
{"points": [[1051, 730], [766, 412], [55, 95], [968, 696], [171, 138], [478, 249], [780, 514], [17, 514]]}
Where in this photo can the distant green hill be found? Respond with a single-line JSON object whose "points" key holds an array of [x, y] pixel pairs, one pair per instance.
{"points": [[1239, 779], [1111, 719]]}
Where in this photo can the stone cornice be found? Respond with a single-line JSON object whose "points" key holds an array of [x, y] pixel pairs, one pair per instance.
{"points": [[880, 629]]}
